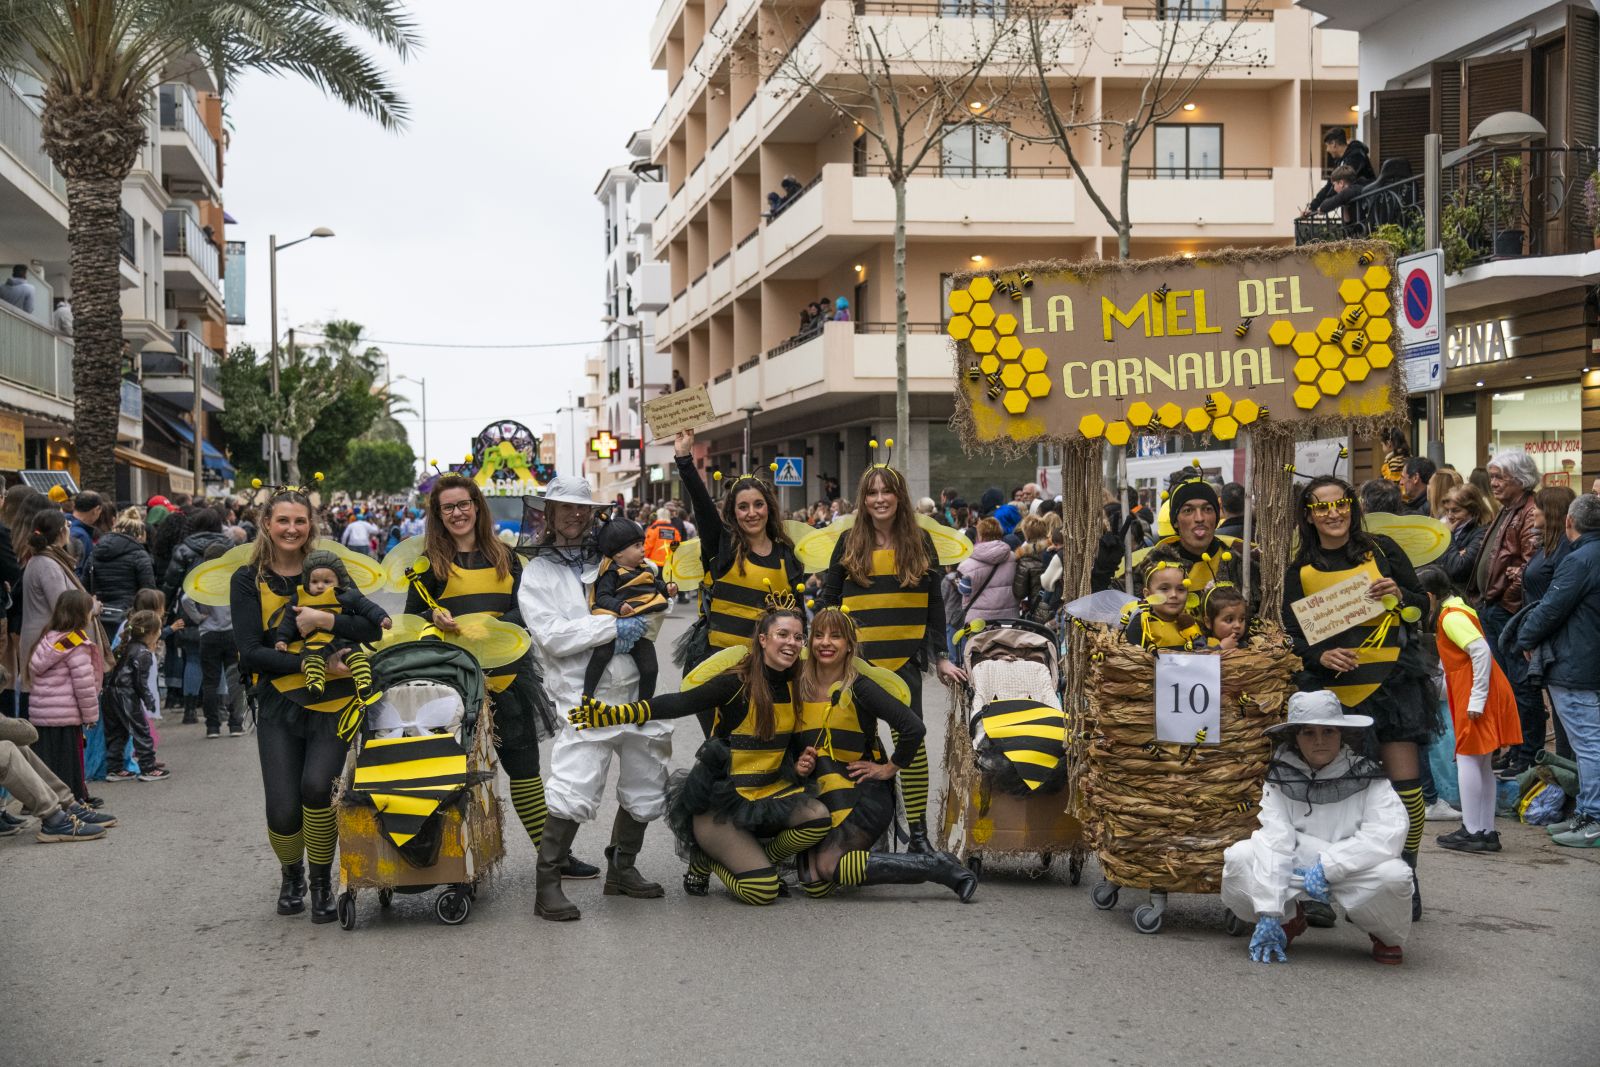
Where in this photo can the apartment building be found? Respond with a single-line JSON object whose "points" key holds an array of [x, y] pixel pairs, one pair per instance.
{"points": [[1233, 167], [172, 307], [1513, 90], [628, 370]]}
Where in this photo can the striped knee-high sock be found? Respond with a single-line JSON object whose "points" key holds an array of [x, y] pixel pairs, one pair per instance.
{"points": [[527, 796], [1410, 790], [315, 668], [818, 890], [796, 839], [852, 868], [287, 847], [321, 834], [758, 887], [914, 785], [360, 665]]}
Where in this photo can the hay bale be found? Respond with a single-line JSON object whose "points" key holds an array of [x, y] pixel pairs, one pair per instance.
{"points": [[1160, 815]]}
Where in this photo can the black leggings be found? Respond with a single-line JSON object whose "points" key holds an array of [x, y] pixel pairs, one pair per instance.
{"points": [[644, 657], [296, 771]]}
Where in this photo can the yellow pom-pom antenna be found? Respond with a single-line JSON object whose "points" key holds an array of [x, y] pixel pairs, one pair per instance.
{"points": [[1164, 495], [255, 483], [316, 476], [1195, 463], [799, 587], [872, 443], [888, 442], [1187, 582], [716, 476], [1226, 556], [773, 467], [433, 463]]}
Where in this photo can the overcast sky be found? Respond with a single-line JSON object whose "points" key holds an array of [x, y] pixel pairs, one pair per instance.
{"points": [[476, 226]]}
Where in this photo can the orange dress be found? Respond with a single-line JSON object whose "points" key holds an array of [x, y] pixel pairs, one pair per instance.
{"points": [[1499, 725]]}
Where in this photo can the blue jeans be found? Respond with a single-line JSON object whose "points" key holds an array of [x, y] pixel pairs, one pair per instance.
{"points": [[1530, 702], [1580, 714]]}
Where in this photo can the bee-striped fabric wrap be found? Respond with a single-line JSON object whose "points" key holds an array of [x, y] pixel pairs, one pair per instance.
{"points": [[892, 621], [327, 601], [1032, 736], [756, 769], [1152, 631], [1376, 661], [339, 692], [739, 600], [835, 732], [473, 585], [407, 779]]}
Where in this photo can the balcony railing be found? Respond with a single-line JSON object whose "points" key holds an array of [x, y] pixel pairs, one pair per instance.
{"points": [[128, 241], [181, 111], [970, 170], [889, 327], [21, 135], [785, 202], [1203, 172], [949, 9], [1190, 11], [181, 364], [181, 235]]}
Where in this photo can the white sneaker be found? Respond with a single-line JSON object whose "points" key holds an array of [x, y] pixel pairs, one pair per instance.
{"points": [[1439, 811]]}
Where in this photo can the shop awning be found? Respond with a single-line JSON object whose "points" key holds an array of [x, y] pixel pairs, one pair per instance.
{"points": [[215, 461], [134, 458]]}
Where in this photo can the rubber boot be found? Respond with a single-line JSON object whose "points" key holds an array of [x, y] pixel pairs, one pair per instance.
{"points": [[622, 877], [908, 868], [190, 708], [292, 890], [917, 838], [1416, 887], [549, 902], [322, 909]]}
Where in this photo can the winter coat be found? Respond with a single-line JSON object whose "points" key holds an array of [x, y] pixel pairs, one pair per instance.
{"points": [[10, 578], [118, 568], [1461, 558], [43, 582], [989, 571], [82, 536], [186, 557], [1567, 619], [1541, 570], [1511, 543], [64, 671]]}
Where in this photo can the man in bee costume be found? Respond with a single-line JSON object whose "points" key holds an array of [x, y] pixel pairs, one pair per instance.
{"points": [[555, 608]]}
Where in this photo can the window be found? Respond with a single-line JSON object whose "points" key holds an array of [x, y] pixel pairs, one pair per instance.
{"points": [[1188, 150], [977, 151], [1192, 10], [1546, 423], [968, 9]]}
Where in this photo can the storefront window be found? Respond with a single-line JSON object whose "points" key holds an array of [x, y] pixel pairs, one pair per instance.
{"points": [[1461, 431], [1547, 424]]}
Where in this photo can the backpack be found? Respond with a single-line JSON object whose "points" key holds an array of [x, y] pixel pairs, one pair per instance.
{"points": [[659, 540]]}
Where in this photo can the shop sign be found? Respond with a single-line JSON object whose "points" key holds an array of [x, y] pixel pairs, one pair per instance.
{"points": [[11, 444], [1479, 342]]}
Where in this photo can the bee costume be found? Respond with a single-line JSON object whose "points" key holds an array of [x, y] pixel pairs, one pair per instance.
{"points": [[318, 646]]}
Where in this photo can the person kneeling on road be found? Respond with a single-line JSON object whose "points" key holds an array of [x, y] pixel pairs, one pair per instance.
{"points": [[25, 775]]}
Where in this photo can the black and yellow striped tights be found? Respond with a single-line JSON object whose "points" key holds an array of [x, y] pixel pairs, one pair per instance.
{"points": [[316, 838], [527, 797]]}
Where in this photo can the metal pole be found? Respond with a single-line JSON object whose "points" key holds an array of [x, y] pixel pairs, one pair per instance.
{"points": [[637, 329], [273, 475], [1432, 180], [1249, 515], [197, 414], [749, 420], [424, 383]]}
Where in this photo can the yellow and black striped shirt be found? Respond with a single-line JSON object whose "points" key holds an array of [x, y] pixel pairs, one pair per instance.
{"points": [[760, 768], [895, 622], [265, 599], [473, 585]]}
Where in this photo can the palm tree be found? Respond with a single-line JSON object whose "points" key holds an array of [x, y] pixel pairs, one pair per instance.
{"points": [[98, 60]]}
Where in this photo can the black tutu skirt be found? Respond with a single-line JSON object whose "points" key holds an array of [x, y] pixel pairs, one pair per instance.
{"points": [[707, 789], [694, 647], [1404, 708], [523, 713]]}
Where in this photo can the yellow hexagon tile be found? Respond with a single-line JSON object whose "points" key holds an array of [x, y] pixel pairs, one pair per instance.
{"points": [[989, 364], [1356, 369], [1091, 426], [1220, 404], [1330, 356], [960, 327], [1005, 325], [1008, 347], [1306, 397], [1015, 401], [1225, 428], [1117, 433], [1170, 415], [1305, 344], [981, 288], [1281, 332], [1011, 375], [1196, 419], [1034, 360], [960, 301], [1379, 330], [1351, 290], [1377, 304], [983, 341], [1140, 413], [1331, 382], [1306, 370], [982, 315], [1377, 277], [1037, 385], [1354, 317], [1246, 411], [1325, 329], [1353, 342], [1379, 355]]}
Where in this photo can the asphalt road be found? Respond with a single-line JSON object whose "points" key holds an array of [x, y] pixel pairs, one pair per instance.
{"points": [[161, 945]]}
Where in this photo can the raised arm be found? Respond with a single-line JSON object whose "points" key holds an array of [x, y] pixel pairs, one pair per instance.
{"points": [[706, 519]]}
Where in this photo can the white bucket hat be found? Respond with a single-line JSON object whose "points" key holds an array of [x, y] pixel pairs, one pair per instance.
{"points": [[565, 490], [1319, 708]]}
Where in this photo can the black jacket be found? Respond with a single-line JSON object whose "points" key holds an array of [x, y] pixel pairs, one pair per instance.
{"points": [[10, 578], [186, 557], [1359, 159], [1567, 619], [119, 567], [351, 602]]}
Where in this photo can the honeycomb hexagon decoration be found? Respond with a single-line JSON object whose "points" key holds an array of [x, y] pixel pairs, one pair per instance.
{"points": [[1330, 357], [1354, 317], [1091, 426], [1356, 369], [1331, 382], [1196, 419], [982, 341], [1379, 355], [1353, 342], [982, 315], [960, 327], [1306, 370], [1170, 414], [981, 288], [1377, 304], [1219, 403], [1005, 325], [960, 301], [1306, 344], [1034, 360], [1306, 396], [1225, 428], [989, 364], [1377, 277], [1141, 414], [1117, 433], [1015, 401], [1246, 411], [1037, 385], [1351, 290], [1325, 329], [1379, 330], [1008, 348], [1281, 332], [1011, 375]]}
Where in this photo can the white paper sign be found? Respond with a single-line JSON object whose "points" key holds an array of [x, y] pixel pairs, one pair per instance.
{"points": [[1189, 698]]}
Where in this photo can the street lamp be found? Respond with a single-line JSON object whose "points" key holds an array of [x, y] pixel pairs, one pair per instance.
{"points": [[424, 383], [635, 330], [273, 248]]}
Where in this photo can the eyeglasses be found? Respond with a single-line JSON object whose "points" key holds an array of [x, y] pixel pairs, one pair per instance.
{"points": [[1323, 506], [449, 509]]}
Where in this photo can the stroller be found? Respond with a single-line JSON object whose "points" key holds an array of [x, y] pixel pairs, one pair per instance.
{"points": [[1006, 766], [416, 803]]}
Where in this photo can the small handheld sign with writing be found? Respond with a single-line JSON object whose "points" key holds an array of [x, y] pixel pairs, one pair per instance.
{"points": [[1335, 609], [682, 410], [1189, 698]]}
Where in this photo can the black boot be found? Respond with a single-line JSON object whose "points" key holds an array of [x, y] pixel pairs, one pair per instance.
{"points": [[549, 901], [292, 890], [1416, 887], [907, 868], [190, 707], [622, 877], [322, 909], [917, 838]]}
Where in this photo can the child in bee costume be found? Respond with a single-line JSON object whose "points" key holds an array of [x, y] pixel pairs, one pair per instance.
{"points": [[1332, 829], [327, 585], [627, 586]]}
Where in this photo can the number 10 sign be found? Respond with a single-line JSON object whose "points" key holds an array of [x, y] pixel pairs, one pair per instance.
{"points": [[1189, 698]]}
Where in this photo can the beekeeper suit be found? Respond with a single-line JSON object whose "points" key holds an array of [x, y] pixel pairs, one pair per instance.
{"points": [[554, 600], [1331, 833]]}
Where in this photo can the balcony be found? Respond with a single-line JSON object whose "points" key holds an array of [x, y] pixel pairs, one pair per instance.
{"points": [[650, 284], [188, 151], [22, 139], [191, 259], [647, 202], [36, 358], [171, 377]]}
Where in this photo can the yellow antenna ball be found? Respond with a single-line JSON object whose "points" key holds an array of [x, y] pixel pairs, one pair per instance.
{"points": [[467, 458], [888, 442], [799, 587], [420, 565], [255, 483], [716, 476], [1164, 495], [773, 467], [767, 582], [1389, 601], [872, 443], [316, 476], [977, 625], [1186, 583], [1226, 556], [812, 604], [1195, 463], [433, 462]]}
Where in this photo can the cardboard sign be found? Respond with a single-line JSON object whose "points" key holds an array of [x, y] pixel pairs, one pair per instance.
{"points": [[682, 410], [1189, 698], [1336, 608], [11, 435]]}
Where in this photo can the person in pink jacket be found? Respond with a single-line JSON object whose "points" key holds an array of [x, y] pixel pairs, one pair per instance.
{"points": [[985, 576], [64, 669]]}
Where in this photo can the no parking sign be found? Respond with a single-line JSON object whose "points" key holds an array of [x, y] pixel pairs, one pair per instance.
{"points": [[1421, 318]]}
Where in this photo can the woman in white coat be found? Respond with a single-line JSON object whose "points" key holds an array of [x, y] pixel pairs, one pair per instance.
{"points": [[1332, 828], [554, 600]]}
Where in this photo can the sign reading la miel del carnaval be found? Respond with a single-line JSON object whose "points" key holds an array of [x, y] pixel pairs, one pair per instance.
{"points": [[1220, 342]]}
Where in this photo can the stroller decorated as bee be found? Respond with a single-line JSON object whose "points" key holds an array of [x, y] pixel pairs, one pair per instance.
{"points": [[1006, 768]]}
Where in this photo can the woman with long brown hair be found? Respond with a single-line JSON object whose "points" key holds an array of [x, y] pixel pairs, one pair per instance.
{"points": [[471, 570], [297, 735], [885, 572], [48, 570]]}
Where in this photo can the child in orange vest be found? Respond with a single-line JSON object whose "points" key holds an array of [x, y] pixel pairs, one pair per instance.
{"points": [[1483, 710]]}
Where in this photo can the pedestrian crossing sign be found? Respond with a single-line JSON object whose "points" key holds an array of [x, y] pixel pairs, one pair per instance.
{"points": [[791, 472]]}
